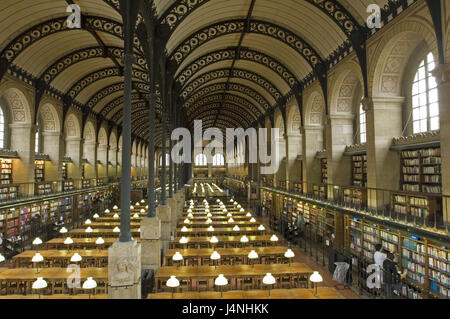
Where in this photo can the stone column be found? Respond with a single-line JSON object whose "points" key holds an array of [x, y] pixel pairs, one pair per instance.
{"points": [[124, 270], [339, 132], [90, 153], [384, 121], [164, 214], [312, 142], [23, 141], [73, 150], [52, 147], [293, 149], [281, 173], [442, 74], [210, 170], [112, 157], [173, 205], [151, 243], [102, 156]]}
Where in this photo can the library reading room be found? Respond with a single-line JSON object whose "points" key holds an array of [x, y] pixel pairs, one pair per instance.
{"points": [[224, 149]]}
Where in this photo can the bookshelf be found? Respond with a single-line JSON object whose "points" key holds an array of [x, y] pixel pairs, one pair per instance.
{"points": [[359, 170], [324, 174], [64, 172], [416, 208], [43, 188], [427, 264], [7, 190], [298, 188], [68, 185], [320, 191], [421, 171], [86, 183], [39, 171], [356, 196]]}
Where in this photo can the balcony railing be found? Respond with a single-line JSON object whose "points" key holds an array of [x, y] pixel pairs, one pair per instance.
{"points": [[24, 191], [428, 211]]}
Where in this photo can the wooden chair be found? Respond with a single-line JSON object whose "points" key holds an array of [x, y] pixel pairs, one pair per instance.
{"points": [[202, 285], [246, 283], [284, 282], [58, 287], [300, 282]]}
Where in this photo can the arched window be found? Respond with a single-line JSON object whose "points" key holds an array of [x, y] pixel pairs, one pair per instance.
{"points": [[201, 160], [362, 125], [218, 160], [2, 129], [425, 99], [36, 139], [167, 160]]}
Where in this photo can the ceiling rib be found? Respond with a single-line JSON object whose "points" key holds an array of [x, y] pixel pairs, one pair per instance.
{"points": [[238, 51]]}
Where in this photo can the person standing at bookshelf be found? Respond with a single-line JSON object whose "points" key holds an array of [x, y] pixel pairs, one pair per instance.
{"points": [[392, 277], [379, 257]]}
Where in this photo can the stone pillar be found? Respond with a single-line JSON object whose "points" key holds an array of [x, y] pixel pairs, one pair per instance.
{"points": [[172, 203], [52, 147], [312, 142], [90, 153], [281, 173], [112, 157], [180, 200], [23, 141], [164, 215], [124, 270], [442, 74], [293, 149], [339, 132], [73, 150], [151, 243], [210, 170], [384, 121], [102, 156]]}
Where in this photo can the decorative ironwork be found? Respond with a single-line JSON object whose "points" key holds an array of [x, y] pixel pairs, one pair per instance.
{"points": [[221, 87], [235, 109], [245, 54], [228, 97], [118, 102], [338, 14], [110, 89], [84, 54], [98, 75], [53, 26], [237, 73], [238, 26]]}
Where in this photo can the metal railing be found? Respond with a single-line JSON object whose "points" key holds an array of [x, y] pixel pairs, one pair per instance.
{"points": [[25, 191], [381, 203]]}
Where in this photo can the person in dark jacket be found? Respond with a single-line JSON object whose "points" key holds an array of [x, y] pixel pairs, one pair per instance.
{"points": [[392, 276]]}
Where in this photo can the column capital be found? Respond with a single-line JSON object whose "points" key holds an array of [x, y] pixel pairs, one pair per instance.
{"points": [[51, 133], [442, 73], [341, 116], [311, 128], [22, 125], [73, 139]]}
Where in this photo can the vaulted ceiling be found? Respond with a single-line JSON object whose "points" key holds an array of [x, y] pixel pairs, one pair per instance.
{"points": [[235, 59]]}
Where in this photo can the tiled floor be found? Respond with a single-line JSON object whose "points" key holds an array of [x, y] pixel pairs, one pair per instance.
{"points": [[301, 257]]}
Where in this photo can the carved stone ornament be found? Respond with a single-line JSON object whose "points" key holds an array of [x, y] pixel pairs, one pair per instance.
{"points": [[419, 138], [367, 103], [124, 265]]}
